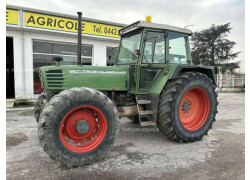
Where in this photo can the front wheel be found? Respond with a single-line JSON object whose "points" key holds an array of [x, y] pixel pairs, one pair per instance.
{"points": [[40, 103], [78, 126], [187, 107]]}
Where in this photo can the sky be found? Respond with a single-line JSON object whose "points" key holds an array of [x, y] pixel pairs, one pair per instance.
{"points": [[199, 13]]}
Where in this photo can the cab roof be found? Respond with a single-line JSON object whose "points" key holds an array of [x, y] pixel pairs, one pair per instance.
{"points": [[145, 24]]}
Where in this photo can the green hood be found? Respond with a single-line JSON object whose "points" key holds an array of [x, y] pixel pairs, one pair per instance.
{"points": [[97, 77]]}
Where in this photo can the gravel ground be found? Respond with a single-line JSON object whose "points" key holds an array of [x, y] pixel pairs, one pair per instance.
{"points": [[138, 153]]}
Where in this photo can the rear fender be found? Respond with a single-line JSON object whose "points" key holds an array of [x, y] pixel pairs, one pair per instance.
{"points": [[208, 70]]}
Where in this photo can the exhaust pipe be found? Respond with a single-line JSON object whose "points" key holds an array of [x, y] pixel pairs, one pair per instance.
{"points": [[79, 45]]}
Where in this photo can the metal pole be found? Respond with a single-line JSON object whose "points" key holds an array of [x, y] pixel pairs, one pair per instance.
{"points": [[242, 82], [220, 86], [232, 80], [79, 45], [218, 80], [23, 58]]}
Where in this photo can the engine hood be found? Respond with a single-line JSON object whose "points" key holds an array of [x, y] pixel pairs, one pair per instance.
{"points": [[97, 77]]}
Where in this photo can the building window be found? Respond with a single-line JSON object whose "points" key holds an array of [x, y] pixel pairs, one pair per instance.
{"points": [[111, 53], [44, 52]]}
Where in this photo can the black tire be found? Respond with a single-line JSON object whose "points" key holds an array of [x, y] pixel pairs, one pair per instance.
{"points": [[168, 113], [40, 103], [58, 108], [49, 95]]}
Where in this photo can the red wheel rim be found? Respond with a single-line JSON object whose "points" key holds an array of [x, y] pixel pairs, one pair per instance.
{"points": [[83, 129], [37, 86], [194, 109]]}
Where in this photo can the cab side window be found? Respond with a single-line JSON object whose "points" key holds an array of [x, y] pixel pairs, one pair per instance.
{"points": [[177, 48], [154, 48]]}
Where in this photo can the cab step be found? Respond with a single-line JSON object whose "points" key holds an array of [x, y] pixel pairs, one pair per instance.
{"points": [[145, 118], [147, 123], [143, 113], [144, 102], [144, 106]]}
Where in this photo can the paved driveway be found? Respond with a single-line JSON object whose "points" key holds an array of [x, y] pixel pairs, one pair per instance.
{"points": [[138, 152]]}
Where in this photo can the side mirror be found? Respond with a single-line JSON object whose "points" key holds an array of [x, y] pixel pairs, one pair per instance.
{"points": [[137, 52]]}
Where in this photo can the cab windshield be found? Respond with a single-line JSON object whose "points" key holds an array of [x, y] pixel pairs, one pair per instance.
{"points": [[129, 43]]}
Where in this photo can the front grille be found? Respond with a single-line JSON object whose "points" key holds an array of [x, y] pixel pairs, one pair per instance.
{"points": [[55, 78], [57, 75], [54, 71]]}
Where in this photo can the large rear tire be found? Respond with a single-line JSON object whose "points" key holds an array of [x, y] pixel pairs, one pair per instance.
{"points": [[78, 126], [187, 107]]}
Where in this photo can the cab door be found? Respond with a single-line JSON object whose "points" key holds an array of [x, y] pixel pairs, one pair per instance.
{"points": [[153, 59]]}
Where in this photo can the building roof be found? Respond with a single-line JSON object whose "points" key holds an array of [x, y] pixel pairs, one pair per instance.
{"points": [[124, 27], [35, 20], [63, 15], [146, 24]]}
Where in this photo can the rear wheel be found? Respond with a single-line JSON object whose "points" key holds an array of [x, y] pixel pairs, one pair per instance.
{"points": [[187, 107], [78, 126], [194, 108]]}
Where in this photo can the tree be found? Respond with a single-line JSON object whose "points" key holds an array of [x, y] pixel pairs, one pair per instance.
{"points": [[211, 47]]}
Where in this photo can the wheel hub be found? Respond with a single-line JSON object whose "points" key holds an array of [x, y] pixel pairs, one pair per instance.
{"points": [[194, 108], [82, 127], [186, 106]]}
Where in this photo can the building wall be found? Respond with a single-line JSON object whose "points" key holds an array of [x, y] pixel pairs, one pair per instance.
{"points": [[23, 56], [24, 32]]}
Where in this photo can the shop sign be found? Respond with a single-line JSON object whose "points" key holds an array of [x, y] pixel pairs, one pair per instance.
{"points": [[50, 22], [12, 16]]}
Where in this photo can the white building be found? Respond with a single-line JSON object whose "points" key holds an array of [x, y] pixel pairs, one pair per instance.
{"points": [[33, 37]]}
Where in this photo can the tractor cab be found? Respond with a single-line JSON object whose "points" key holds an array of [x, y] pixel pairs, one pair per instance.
{"points": [[150, 49]]}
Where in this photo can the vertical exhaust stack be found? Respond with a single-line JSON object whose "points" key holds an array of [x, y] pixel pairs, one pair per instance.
{"points": [[79, 45]]}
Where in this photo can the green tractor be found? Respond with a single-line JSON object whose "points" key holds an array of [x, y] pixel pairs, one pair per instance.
{"points": [[153, 82]]}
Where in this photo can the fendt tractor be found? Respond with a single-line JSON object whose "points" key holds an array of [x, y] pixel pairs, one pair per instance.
{"points": [[152, 82]]}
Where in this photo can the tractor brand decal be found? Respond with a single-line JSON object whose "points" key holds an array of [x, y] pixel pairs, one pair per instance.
{"points": [[97, 72], [69, 25], [12, 16]]}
